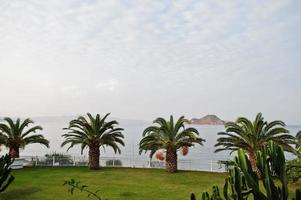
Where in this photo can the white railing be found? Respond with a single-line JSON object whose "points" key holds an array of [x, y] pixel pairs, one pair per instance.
{"points": [[130, 162]]}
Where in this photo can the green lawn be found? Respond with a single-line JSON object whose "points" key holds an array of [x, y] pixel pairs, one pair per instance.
{"points": [[114, 183]]}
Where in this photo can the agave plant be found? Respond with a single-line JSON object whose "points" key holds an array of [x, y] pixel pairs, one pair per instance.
{"points": [[253, 136], [169, 136], [94, 132], [243, 183], [5, 172], [14, 136]]}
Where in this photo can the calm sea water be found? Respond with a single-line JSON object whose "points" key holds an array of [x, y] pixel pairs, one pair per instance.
{"points": [[199, 157]]}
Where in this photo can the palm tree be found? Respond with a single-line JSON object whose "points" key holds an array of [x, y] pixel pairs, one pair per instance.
{"points": [[14, 136], [253, 136], [169, 136], [93, 133]]}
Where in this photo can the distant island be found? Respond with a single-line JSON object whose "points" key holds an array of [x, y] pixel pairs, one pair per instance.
{"points": [[207, 120]]}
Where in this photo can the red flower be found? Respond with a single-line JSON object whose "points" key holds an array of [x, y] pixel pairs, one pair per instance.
{"points": [[159, 155], [185, 150]]}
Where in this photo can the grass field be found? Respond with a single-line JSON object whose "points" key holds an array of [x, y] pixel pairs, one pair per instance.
{"points": [[114, 183]]}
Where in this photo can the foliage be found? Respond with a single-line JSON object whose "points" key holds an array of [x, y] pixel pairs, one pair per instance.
{"points": [[242, 182], [293, 169], [227, 163], [14, 136], [76, 185], [170, 136], [5, 178], [117, 163], [166, 134], [57, 154], [93, 131], [298, 195], [298, 146], [61, 158], [156, 164], [206, 196], [253, 136]]}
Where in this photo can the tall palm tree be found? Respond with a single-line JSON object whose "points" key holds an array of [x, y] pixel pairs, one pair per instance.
{"points": [[14, 136], [169, 136], [93, 132], [253, 136]]}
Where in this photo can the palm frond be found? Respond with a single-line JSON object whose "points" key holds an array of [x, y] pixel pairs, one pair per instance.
{"points": [[31, 130], [93, 131], [168, 134], [15, 133], [254, 135], [298, 136], [36, 139]]}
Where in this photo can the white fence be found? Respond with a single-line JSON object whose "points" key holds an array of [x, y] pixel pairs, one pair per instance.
{"points": [[130, 162]]}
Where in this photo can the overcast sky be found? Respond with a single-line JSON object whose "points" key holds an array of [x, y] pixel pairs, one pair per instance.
{"points": [[143, 59]]}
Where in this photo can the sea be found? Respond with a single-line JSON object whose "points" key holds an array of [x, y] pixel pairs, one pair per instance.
{"points": [[198, 158]]}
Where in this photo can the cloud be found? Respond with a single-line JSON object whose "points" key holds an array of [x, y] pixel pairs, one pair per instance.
{"points": [[102, 86], [205, 49], [107, 85]]}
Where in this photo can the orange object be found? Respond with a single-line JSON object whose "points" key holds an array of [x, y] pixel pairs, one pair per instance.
{"points": [[160, 156], [185, 150]]}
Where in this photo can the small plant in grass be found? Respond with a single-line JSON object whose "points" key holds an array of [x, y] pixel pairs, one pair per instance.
{"points": [[5, 178], [76, 185]]}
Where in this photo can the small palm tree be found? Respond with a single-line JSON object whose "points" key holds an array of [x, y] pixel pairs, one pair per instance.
{"points": [[93, 133], [169, 136], [14, 136], [253, 136]]}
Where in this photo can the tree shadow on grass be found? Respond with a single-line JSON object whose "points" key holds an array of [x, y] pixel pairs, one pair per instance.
{"points": [[128, 194], [18, 193]]}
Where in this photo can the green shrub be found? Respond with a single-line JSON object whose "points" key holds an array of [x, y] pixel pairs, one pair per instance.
{"points": [[293, 170], [116, 163], [59, 158]]}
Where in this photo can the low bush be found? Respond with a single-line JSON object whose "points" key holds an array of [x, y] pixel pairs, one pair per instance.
{"points": [[115, 163], [293, 170]]}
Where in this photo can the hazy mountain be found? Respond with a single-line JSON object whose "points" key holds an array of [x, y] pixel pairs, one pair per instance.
{"points": [[208, 120]]}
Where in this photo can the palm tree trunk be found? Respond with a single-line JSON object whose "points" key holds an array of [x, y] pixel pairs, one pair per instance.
{"points": [[171, 162], [14, 152], [253, 161], [94, 157]]}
